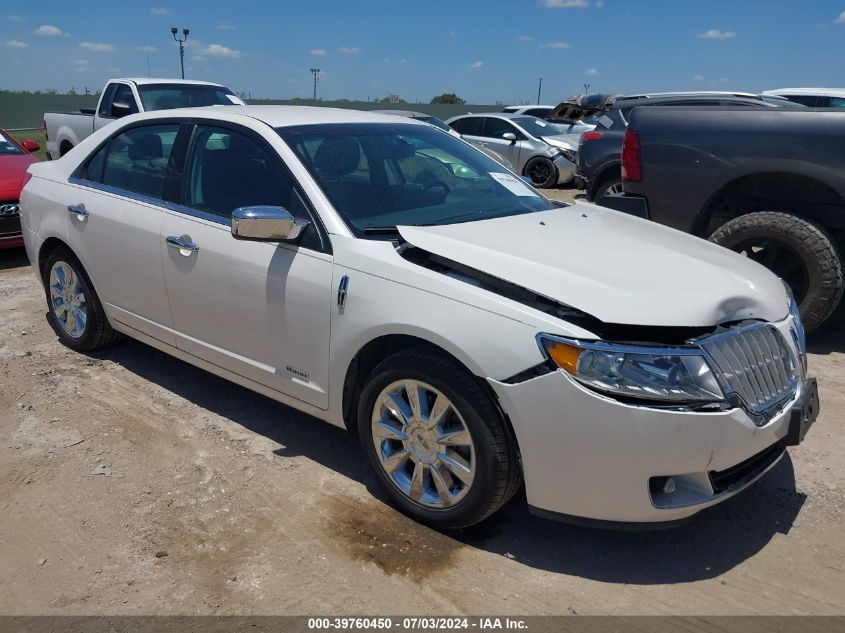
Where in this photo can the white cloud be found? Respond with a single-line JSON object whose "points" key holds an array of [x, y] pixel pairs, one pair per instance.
{"points": [[225, 27], [599, 4], [476, 64], [841, 18], [79, 62], [98, 47], [592, 72], [698, 78], [565, 4], [48, 30], [196, 58], [556, 45], [716, 34], [525, 38], [17, 44], [146, 49], [15, 18], [349, 50], [452, 34], [218, 50], [159, 11], [319, 52]]}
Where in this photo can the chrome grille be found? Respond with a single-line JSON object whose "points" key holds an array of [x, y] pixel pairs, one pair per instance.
{"points": [[754, 363]]}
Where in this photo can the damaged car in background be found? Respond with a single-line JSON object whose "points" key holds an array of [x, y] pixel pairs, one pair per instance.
{"points": [[473, 335]]}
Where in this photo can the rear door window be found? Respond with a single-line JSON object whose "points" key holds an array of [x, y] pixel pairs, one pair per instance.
{"points": [[470, 125], [136, 160]]}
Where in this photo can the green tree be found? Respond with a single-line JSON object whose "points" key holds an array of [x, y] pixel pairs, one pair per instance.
{"points": [[448, 97]]}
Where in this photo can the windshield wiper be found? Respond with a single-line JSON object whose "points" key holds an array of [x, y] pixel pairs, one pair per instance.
{"points": [[380, 230]]}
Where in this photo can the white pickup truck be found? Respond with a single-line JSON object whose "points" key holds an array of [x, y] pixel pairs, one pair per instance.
{"points": [[65, 130]]}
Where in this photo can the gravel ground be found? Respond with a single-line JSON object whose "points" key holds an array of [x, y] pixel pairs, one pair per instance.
{"points": [[133, 483]]}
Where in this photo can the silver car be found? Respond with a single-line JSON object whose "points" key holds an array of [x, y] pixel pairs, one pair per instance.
{"points": [[535, 148]]}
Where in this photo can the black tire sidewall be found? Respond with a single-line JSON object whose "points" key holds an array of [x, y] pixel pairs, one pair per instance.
{"points": [[552, 176], [601, 191], [815, 250], [472, 508]]}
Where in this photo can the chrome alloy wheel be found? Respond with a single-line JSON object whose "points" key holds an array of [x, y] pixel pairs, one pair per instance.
{"points": [[423, 444], [67, 299]]}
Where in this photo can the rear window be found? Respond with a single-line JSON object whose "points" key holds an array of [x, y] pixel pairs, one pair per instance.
{"points": [[170, 96]]}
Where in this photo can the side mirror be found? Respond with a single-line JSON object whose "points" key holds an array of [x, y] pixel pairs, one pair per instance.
{"points": [[509, 136], [266, 224], [120, 109], [30, 146]]}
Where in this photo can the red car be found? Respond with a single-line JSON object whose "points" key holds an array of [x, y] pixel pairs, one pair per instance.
{"points": [[15, 158]]}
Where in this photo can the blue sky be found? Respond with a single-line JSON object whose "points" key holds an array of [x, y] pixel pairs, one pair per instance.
{"points": [[485, 51]]}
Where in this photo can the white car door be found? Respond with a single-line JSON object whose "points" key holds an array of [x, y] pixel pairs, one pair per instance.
{"points": [[259, 309], [116, 213]]}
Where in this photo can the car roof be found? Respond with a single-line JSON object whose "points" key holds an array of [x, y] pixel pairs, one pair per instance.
{"points": [[410, 114], [144, 81], [702, 93], [280, 115], [525, 107], [807, 92], [497, 115]]}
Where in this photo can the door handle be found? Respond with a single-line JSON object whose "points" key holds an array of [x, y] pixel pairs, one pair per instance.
{"points": [[77, 209], [183, 243]]}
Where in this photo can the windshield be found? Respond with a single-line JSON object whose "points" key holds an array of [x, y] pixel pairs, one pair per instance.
{"points": [[381, 175], [170, 96], [7, 147], [538, 127], [433, 120]]}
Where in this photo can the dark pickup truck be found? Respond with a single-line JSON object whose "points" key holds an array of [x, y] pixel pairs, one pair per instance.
{"points": [[768, 183]]}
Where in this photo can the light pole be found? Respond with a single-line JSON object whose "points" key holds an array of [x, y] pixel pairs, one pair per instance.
{"points": [[587, 89], [316, 73], [539, 90], [185, 32]]}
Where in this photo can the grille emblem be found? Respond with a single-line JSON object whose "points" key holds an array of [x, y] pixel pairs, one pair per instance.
{"points": [[9, 210]]}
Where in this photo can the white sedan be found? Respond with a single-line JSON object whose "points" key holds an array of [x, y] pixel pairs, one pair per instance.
{"points": [[385, 277]]}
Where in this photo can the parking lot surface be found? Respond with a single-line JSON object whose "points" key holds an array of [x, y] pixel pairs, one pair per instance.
{"points": [[133, 483]]}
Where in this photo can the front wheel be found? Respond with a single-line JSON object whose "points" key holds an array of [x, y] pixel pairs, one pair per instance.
{"points": [[542, 172], [797, 251], [436, 441]]}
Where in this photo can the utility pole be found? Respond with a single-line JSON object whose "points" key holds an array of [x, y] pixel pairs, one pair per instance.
{"points": [[316, 73], [539, 90], [185, 32]]}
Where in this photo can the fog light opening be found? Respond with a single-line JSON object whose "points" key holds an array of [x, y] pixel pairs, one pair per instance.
{"points": [[662, 485]]}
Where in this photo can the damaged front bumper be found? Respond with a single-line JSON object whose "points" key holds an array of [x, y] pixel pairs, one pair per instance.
{"points": [[589, 458]]}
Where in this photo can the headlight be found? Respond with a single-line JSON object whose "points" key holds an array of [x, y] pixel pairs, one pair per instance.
{"points": [[798, 333], [657, 374]]}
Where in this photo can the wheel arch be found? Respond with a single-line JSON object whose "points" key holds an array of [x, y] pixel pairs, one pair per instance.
{"points": [[797, 194], [379, 348], [50, 245], [611, 170]]}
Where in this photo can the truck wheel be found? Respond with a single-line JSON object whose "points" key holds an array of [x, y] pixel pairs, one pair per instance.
{"points": [[64, 148], [796, 250], [542, 172], [436, 441]]}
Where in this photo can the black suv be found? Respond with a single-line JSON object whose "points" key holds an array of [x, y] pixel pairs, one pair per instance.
{"points": [[598, 169]]}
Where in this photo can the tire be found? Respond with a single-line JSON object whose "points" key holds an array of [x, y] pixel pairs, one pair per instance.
{"points": [[542, 172], [90, 332], [492, 453], [795, 249], [608, 186]]}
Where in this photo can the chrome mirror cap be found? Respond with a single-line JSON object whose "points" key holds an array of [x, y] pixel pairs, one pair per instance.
{"points": [[266, 224]]}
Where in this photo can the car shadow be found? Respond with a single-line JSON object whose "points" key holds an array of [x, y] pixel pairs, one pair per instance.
{"points": [[716, 541]]}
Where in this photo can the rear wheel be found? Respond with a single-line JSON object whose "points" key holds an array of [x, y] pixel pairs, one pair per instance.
{"points": [[609, 187], [541, 171], [75, 312], [796, 250], [436, 441]]}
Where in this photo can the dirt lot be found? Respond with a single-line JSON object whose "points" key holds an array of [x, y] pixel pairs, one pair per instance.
{"points": [[132, 483]]}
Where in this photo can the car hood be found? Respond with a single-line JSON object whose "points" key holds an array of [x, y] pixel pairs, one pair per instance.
{"points": [[615, 267], [12, 170]]}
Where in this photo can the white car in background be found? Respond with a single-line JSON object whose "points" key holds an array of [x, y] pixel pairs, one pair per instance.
{"points": [[474, 334], [811, 97], [543, 111]]}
